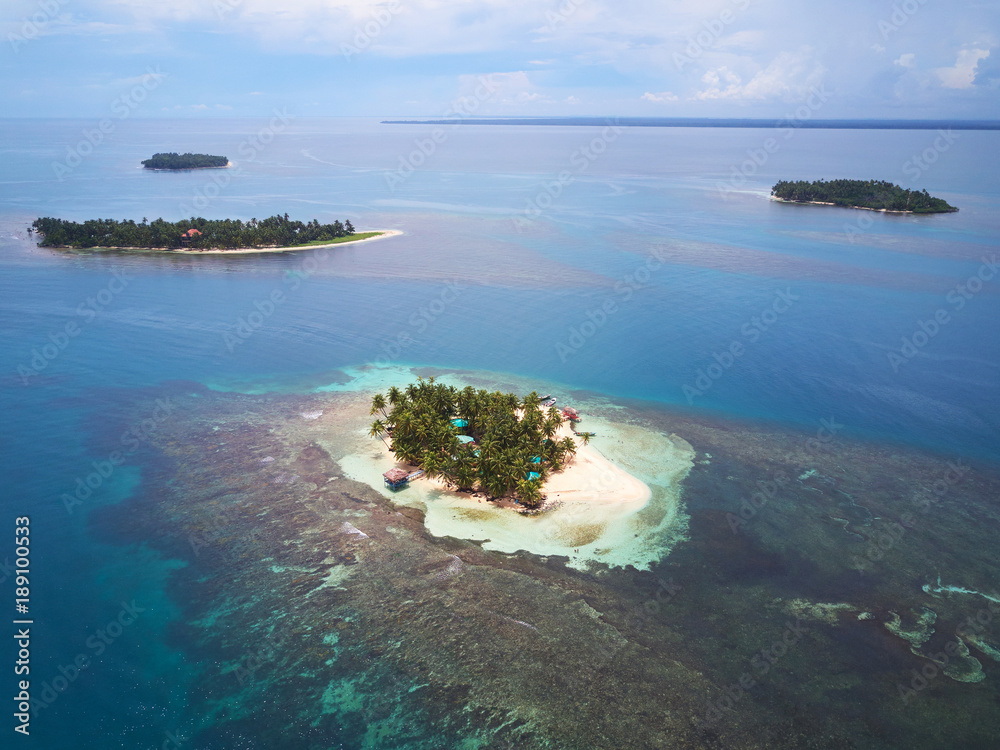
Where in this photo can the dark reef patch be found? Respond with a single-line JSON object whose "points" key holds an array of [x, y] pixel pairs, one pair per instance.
{"points": [[324, 616]]}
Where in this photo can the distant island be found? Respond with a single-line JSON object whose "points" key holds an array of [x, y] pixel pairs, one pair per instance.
{"points": [[185, 161], [197, 234], [868, 194]]}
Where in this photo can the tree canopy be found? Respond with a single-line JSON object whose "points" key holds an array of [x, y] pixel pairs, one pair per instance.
{"points": [[875, 194], [513, 438], [173, 160], [276, 231]]}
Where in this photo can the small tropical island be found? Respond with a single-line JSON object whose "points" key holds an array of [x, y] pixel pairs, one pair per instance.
{"points": [[174, 160], [474, 440], [197, 234], [873, 195]]}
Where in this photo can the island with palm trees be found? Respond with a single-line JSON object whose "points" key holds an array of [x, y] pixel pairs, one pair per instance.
{"points": [[475, 441], [198, 235]]}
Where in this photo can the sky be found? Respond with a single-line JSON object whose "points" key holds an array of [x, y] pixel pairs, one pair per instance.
{"points": [[919, 59]]}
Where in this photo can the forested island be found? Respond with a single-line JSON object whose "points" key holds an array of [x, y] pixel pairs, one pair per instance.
{"points": [[876, 195], [185, 161], [194, 233], [474, 439]]}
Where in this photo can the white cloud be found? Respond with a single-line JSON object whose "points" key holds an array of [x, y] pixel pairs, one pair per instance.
{"points": [[963, 73], [495, 91], [663, 96], [788, 77], [907, 60]]}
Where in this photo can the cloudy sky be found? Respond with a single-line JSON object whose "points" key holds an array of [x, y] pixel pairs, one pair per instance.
{"points": [[714, 58]]}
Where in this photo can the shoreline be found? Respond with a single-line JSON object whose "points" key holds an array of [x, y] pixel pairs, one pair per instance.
{"points": [[383, 234], [589, 477], [227, 165], [861, 208], [617, 503]]}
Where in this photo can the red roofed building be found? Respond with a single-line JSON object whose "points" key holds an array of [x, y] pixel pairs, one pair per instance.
{"points": [[189, 235]]}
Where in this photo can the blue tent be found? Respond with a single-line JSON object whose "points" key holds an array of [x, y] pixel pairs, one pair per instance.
{"points": [[464, 439], [459, 422]]}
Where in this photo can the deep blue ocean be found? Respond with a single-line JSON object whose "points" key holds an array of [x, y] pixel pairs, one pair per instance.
{"points": [[629, 262]]}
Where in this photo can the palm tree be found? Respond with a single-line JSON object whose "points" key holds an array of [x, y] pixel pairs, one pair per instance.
{"points": [[378, 430], [529, 492], [431, 464], [568, 446], [378, 405], [550, 426]]}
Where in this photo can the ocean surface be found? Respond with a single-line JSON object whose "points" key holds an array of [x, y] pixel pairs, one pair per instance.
{"points": [[639, 267]]}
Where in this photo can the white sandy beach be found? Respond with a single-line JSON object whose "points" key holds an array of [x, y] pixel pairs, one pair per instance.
{"points": [[384, 233], [596, 510]]}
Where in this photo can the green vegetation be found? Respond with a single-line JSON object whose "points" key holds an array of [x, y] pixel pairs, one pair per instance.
{"points": [[513, 437], [184, 161], [349, 238], [276, 231], [878, 195]]}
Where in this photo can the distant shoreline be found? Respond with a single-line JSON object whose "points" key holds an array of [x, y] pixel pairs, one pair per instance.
{"points": [[382, 234], [861, 208], [709, 122], [227, 165]]}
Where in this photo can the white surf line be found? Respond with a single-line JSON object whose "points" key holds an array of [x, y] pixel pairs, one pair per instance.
{"points": [[928, 589]]}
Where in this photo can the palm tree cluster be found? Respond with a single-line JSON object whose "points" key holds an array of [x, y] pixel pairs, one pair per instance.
{"points": [[876, 194], [512, 437], [173, 160], [276, 231]]}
